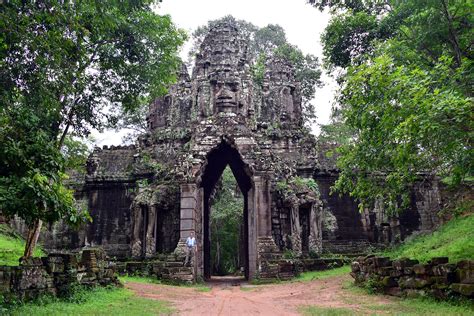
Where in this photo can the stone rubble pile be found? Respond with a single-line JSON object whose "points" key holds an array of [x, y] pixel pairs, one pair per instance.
{"points": [[407, 277], [56, 275]]}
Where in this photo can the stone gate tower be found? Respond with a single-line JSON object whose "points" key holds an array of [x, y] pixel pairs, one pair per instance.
{"points": [[145, 199], [258, 132]]}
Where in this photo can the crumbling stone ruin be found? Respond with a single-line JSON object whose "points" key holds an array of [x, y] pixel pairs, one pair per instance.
{"points": [[145, 199], [56, 275], [407, 277]]}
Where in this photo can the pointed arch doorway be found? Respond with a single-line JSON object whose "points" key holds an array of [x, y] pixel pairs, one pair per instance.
{"points": [[218, 159]]}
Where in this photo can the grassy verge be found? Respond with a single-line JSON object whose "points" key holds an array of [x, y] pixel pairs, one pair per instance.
{"points": [[316, 275], [149, 280], [12, 247], [97, 301], [454, 239], [402, 307], [361, 303]]}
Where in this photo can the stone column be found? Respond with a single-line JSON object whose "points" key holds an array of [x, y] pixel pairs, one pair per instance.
{"points": [[187, 223], [188, 206], [150, 241], [262, 203], [137, 222], [252, 234], [295, 229], [316, 235]]}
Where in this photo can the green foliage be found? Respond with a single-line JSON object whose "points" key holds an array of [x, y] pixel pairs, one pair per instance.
{"points": [[406, 95], [76, 152], [320, 275], [95, 301], [139, 279], [225, 221], [454, 239], [12, 247], [62, 65], [31, 172], [296, 184]]}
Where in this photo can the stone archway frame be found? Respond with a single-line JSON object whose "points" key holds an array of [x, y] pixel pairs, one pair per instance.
{"points": [[195, 210]]}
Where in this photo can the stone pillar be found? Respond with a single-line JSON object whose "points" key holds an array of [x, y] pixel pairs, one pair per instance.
{"points": [[150, 240], [188, 203], [295, 229], [316, 235], [252, 234], [262, 202], [137, 222], [187, 222]]}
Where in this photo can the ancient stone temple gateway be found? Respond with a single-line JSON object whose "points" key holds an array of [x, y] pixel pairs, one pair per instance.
{"points": [[146, 199]]}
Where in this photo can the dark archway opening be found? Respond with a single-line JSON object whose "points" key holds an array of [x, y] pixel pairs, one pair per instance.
{"points": [[217, 160]]}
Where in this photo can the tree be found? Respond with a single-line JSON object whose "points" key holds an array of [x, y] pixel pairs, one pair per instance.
{"points": [[267, 42], [406, 94], [68, 67], [225, 221], [32, 174]]}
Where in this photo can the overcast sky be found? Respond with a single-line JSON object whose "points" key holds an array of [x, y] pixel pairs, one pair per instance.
{"points": [[302, 23]]}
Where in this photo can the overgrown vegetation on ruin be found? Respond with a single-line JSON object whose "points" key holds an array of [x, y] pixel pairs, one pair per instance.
{"points": [[455, 240], [61, 65], [405, 105]]}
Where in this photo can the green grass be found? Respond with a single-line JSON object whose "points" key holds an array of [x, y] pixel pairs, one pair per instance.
{"points": [[325, 311], [400, 307], [315, 275], [397, 306], [12, 247], [149, 280], [97, 301], [139, 279], [454, 239]]}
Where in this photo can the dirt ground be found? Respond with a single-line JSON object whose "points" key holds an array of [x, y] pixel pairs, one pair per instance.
{"points": [[229, 296]]}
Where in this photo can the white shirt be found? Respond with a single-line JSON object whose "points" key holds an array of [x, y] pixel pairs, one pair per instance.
{"points": [[191, 241]]}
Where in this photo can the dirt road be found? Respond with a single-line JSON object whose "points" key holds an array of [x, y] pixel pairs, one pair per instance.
{"points": [[231, 297]]}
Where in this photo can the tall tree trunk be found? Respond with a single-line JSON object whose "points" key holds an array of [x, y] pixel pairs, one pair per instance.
{"points": [[453, 39], [32, 240]]}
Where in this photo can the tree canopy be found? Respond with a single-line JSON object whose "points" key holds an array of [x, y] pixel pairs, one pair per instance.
{"points": [[65, 68], [406, 93]]}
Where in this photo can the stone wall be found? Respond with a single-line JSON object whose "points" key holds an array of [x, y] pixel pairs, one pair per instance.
{"points": [[407, 277], [55, 274]]}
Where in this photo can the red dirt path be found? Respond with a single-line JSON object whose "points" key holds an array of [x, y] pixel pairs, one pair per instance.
{"points": [[229, 297]]}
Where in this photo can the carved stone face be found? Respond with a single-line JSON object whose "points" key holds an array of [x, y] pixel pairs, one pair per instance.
{"points": [[226, 93]]}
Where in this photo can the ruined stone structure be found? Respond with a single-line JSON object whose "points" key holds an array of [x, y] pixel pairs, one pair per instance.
{"points": [[57, 274], [407, 277], [146, 199]]}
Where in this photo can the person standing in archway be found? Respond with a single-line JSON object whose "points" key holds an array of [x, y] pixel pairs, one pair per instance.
{"points": [[191, 248]]}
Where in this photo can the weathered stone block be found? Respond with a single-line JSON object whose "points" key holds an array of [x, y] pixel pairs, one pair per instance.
{"points": [[466, 264], [413, 283], [382, 262], [389, 282], [384, 271], [465, 276], [403, 263], [464, 289], [396, 273], [422, 269], [447, 269], [355, 266], [439, 260]]}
